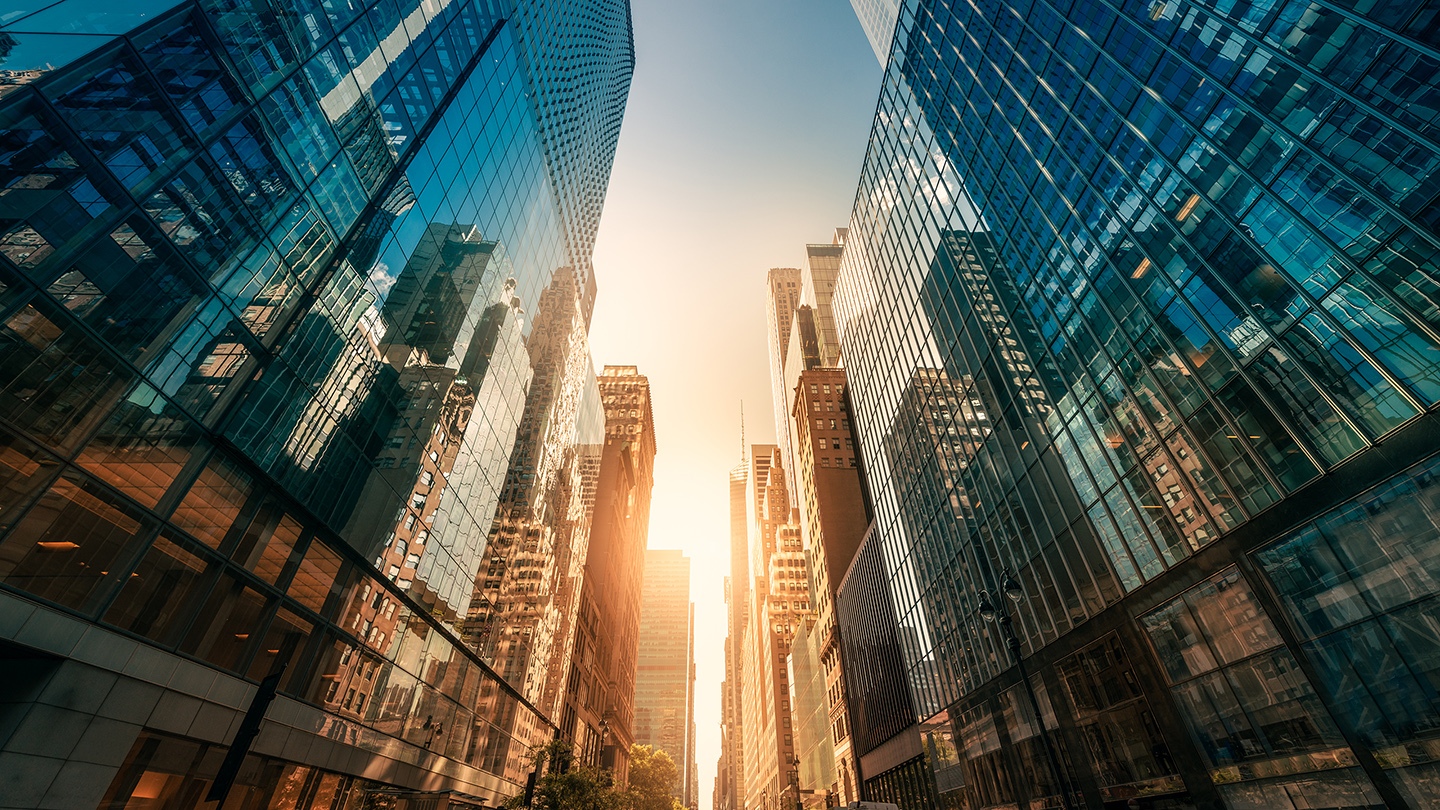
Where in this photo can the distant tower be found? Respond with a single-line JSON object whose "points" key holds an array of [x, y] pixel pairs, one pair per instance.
{"points": [[662, 687]]}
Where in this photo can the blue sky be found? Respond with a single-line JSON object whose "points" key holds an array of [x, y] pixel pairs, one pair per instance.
{"points": [[743, 140]]}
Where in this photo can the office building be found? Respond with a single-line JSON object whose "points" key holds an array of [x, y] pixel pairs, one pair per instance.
{"points": [[783, 286], [294, 381], [817, 291], [691, 797], [730, 767], [779, 602], [878, 18], [663, 719], [836, 514], [1137, 312], [600, 690]]}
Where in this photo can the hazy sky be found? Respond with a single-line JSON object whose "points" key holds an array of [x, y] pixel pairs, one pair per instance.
{"points": [[743, 139]]}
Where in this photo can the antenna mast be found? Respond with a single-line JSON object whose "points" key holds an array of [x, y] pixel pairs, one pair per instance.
{"points": [[742, 430]]}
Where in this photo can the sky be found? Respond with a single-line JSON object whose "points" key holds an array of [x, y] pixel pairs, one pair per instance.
{"points": [[743, 139]]}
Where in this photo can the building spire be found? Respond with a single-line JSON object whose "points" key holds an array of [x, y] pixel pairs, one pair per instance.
{"points": [[742, 431]]}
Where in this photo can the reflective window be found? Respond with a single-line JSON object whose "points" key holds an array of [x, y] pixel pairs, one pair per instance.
{"points": [[73, 545], [1360, 584], [214, 501], [142, 447], [1244, 695], [1113, 715], [161, 595], [24, 471], [269, 544], [317, 578], [226, 629]]}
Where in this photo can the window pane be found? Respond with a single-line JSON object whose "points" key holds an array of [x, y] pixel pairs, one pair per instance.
{"points": [[24, 470], [269, 543], [282, 644], [54, 380], [1227, 612], [224, 632], [70, 546], [317, 577], [142, 447], [213, 502], [158, 600], [1223, 731], [1178, 643]]}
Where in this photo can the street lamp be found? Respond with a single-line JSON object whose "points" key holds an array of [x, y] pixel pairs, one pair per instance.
{"points": [[604, 740], [1001, 617]]}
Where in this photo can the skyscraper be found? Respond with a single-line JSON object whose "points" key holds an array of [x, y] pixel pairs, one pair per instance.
{"points": [[294, 377], [1138, 319], [783, 289], [878, 18], [817, 291], [600, 691], [730, 768], [663, 684], [835, 518], [779, 601]]}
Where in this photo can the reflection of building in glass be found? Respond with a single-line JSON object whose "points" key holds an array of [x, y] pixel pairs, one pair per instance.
{"points": [[1137, 310], [664, 682], [822, 271], [293, 363], [525, 597]]}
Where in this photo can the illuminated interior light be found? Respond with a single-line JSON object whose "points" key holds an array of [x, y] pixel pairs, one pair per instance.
{"points": [[57, 545], [1187, 207], [1142, 268]]}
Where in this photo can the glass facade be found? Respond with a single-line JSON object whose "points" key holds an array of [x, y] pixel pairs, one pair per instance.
{"points": [[1130, 289], [293, 362]]}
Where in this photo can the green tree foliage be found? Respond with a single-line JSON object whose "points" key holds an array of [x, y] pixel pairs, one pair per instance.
{"points": [[652, 775], [567, 785]]}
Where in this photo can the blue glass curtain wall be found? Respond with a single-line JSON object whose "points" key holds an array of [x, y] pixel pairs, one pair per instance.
{"points": [[285, 293], [1121, 277]]}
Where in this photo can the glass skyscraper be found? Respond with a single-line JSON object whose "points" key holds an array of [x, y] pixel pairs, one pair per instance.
{"points": [[294, 376], [1139, 309]]}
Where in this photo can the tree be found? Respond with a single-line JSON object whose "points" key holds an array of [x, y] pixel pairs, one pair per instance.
{"points": [[652, 776], [567, 784]]}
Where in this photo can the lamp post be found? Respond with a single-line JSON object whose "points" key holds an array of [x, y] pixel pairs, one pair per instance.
{"points": [[604, 741], [1001, 618]]}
